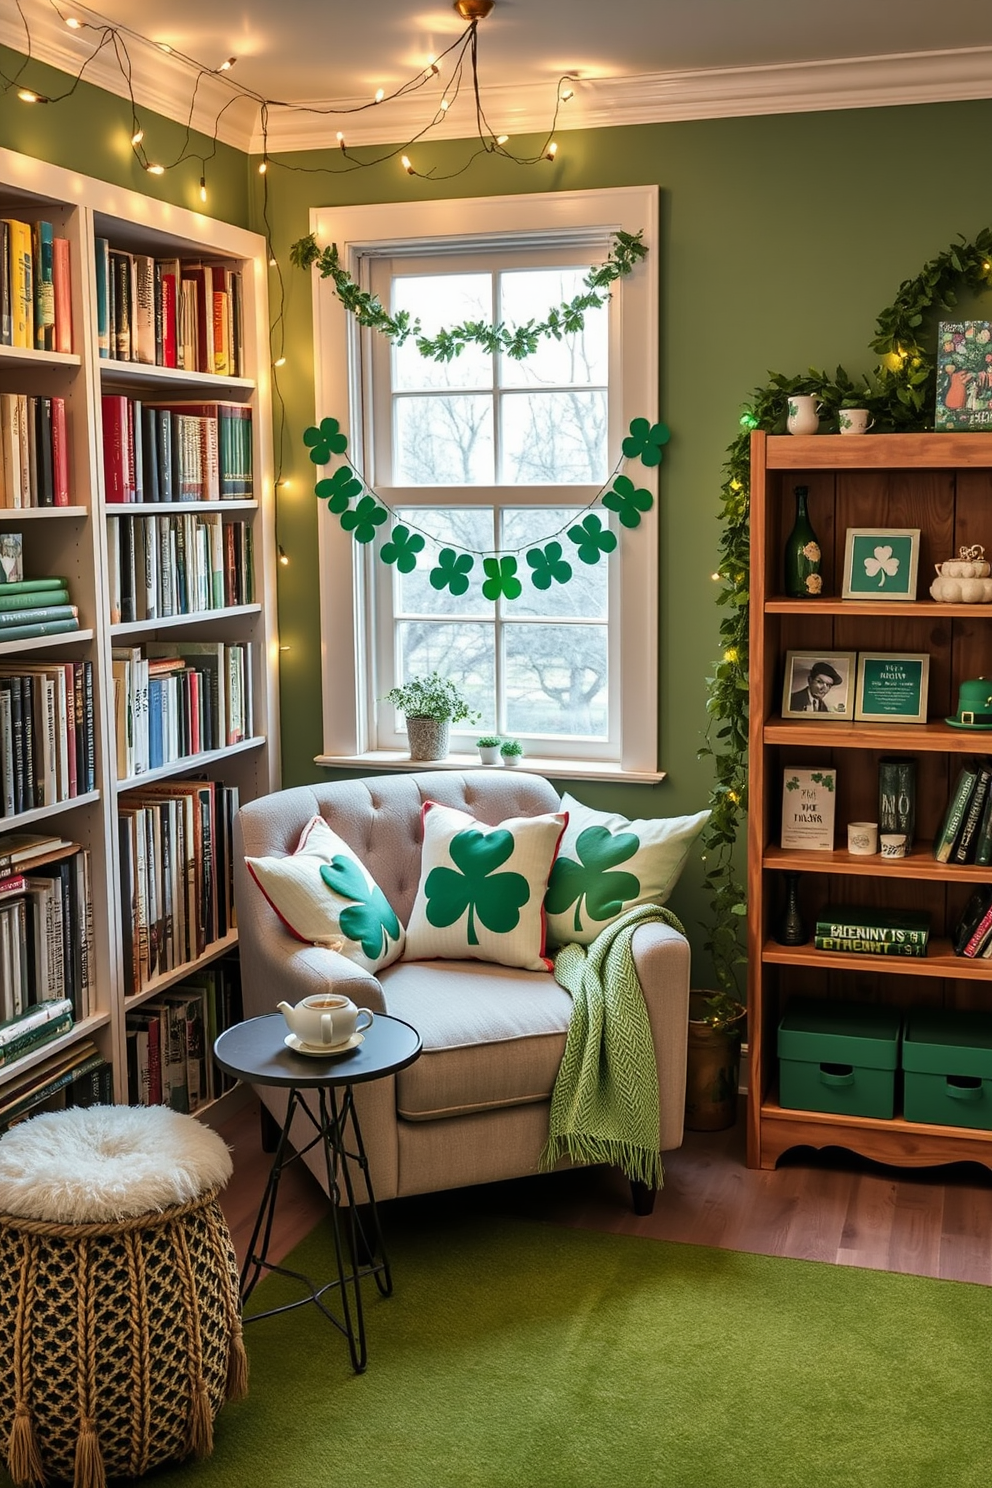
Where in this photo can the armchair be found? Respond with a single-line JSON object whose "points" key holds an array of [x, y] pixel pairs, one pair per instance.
{"points": [[474, 1107]]}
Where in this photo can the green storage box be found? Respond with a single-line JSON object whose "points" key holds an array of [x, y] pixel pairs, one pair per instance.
{"points": [[839, 1057], [947, 1065]]}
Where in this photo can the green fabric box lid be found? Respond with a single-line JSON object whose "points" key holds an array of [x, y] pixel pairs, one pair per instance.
{"points": [[819, 1031], [948, 1043]]}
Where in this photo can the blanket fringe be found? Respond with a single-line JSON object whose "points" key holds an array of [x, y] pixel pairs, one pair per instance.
{"points": [[639, 1164]]}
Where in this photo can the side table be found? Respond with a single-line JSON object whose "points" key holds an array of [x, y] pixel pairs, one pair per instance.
{"points": [[255, 1051]]}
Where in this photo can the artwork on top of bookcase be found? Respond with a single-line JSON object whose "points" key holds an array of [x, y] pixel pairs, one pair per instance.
{"points": [[881, 563], [37, 306], [892, 687], [808, 798], [964, 375], [819, 684], [169, 312]]}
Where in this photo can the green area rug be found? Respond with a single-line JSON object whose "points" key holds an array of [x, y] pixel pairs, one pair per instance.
{"points": [[523, 1355]]}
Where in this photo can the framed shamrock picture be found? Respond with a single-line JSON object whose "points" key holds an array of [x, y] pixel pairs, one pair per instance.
{"points": [[881, 563]]}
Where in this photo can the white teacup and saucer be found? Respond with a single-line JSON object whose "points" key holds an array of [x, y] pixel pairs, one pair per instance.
{"points": [[324, 1025]]}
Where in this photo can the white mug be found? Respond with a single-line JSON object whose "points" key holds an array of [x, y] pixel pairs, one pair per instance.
{"points": [[893, 844], [854, 421], [325, 1019], [804, 414], [862, 839]]}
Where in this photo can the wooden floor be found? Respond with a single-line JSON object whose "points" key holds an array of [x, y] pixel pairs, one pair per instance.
{"points": [[816, 1206]]}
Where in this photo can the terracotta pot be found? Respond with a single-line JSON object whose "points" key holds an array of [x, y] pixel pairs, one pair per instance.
{"points": [[712, 1070], [428, 738]]}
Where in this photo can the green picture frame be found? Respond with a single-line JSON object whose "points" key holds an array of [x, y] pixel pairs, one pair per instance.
{"points": [[880, 563], [892, 687]]}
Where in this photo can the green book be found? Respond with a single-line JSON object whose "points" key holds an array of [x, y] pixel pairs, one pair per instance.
{"points": [[42, 614], [33, 586], [34, 600], [966, 845], [42, 628], [857, 946], [943, 843], [33, 1037], [983, 850], [880, 926]]}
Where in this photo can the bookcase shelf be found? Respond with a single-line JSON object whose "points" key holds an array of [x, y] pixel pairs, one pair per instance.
{"points": [[77, 548], [941, 484]]}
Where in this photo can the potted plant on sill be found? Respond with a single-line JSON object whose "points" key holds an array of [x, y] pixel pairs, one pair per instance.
{"points": [[716, 1022], [511, 751], [430, 705], [488, 747]]}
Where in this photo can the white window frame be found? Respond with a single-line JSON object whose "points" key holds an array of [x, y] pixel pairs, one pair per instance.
{"points": [[346, 618]]}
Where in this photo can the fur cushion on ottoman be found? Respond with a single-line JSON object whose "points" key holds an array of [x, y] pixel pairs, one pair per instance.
{"points": [[120, 1318]]}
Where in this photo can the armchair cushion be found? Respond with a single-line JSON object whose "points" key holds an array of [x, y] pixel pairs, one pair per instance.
{"points": [[607, 865], [481, 890], [323, 893]]}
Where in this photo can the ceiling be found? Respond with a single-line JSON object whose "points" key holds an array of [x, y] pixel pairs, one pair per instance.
{"points": [[716, 56]]}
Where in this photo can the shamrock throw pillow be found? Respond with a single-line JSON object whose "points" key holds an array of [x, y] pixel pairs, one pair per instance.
{"points": [[481, 891], [607, 865], [323, 892]]}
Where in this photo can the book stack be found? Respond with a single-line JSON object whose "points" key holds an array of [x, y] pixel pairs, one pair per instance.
{"points": [[35, 288], [46, 928], [34, 452], [173, 702], [79, 1076], [169, 312], [30, 1029], [32, 607], [176, 452], [178, 565], [973, 932], [47, 733], [872, 932], [965, 834], [170, 1041], [177, 874]]}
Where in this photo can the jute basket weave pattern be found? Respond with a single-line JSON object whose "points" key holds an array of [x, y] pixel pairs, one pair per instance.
{"points": [[119, 1342]]}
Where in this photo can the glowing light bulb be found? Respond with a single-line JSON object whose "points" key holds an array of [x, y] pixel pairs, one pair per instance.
{"points": [[283, 557], [27, 96], [262, 168], [501, 139], [73, 23], [226, 66], [445, 105], [279, 362], [341, 141], [155, 170], [272, 263], [203, 188], [137, 136], [552, 150], [568, 93], [165, 46], [715, 577], [405, 162], [380, 94]]}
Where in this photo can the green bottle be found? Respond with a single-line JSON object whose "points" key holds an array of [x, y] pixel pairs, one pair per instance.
{"points": [[802, 554]]}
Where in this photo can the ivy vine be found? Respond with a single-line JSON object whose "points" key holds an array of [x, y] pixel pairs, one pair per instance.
{"points": [[900, 396], [516, 342]]}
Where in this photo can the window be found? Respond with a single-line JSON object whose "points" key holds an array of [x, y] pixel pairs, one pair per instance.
{"points": [[486, 455]]}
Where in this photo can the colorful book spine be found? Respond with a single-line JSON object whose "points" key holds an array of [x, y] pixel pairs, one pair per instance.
{"points": [[896, 928], [63, 295], [967, 841], [103, 297], [44, 286], [950, 827], [21, 260]]}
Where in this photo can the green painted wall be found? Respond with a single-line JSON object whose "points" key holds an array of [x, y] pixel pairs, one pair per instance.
{"points": [[781, 239]]}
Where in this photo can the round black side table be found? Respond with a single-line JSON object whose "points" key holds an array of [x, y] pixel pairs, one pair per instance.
{"points": [[255, 1051]]}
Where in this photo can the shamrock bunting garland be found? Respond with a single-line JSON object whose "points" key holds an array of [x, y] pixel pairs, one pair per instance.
{"points": [[546, 560]]}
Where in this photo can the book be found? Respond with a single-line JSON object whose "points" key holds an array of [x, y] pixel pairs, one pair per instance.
{"points": [[61, 274], [897, 797], [964, 385], [966, 845], [21, 269], [808, 798], [856, 945], [979, 902], [103, 297], [983, 841], [947, 836], [879, 926], [42, 245], [980, 937], [18, 1036]]}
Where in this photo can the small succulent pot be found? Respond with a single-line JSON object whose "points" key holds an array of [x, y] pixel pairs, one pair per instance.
{"points": [[488, 748], [511, 752]]}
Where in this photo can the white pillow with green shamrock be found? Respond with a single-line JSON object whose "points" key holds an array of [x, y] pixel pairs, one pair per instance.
{"points": [[607, 865], [481, 890], [322, 891]]}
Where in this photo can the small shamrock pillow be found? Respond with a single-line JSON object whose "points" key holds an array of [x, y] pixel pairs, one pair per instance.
{"points": [[322, 892], [607, 865], [481, 891]]}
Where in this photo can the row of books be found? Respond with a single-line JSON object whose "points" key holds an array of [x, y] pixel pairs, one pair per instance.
{"points": [[180, 451], [973, 933], [46, 940], [34, 451], [169, 312], [872, 932], [31, 607], [178, 564], [170, 1041], [47, 734], [965, 834], [177, 876], [78, 1076], [173, 702], [35, 296]]}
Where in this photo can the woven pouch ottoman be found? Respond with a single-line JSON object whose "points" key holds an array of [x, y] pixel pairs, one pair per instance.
{"points": [[120, 1320]]}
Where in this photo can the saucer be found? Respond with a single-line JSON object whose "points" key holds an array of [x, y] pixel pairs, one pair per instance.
{"points": [[322, 1051]]}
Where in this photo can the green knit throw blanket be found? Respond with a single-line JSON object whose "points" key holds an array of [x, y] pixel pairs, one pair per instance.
{"points": [[604, 1107]]}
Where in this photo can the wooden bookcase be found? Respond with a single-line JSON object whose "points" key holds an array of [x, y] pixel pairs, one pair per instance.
{"points": [[73, 541], [942, 484]]}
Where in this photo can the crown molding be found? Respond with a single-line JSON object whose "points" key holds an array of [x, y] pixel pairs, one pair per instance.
{"points": [[165, 84]]}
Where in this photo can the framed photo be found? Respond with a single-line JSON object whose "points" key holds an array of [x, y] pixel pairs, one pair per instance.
{"points": [[881, 563], [820, 685], [892, 688]]}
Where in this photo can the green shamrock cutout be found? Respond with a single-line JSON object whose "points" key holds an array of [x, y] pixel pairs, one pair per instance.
{"points": [[549, 566], [370, 919], [501, 578], [338, 489], [645, 441], [402, 548], [605, 892], [628, 501], [496, 898], [363, 521], [325, 441], [592, 539], [452, 571]]}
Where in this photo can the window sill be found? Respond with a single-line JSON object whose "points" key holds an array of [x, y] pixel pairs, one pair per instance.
{"points": [[387, 759]]}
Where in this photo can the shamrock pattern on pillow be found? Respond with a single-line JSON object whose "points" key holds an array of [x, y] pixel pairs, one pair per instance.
{"points": [[369, 919], [589, 881], [474, 885]]}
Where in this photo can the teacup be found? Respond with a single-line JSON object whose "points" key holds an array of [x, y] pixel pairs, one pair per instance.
{"points": [[325, 1019], [854, 421], [803, 414]]}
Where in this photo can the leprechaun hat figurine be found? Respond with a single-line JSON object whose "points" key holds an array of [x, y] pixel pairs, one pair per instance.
{"points": [[974, 705]]}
